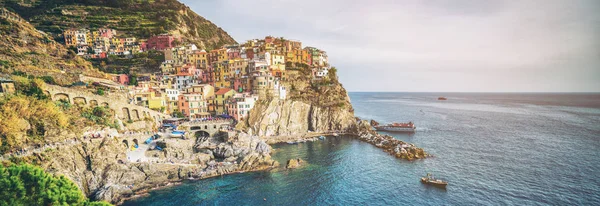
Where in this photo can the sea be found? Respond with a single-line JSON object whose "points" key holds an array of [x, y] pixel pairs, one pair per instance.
{"points": [[492, 148]]}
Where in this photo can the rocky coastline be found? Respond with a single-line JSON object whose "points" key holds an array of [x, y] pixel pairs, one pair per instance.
{"points": [[389, 144]]}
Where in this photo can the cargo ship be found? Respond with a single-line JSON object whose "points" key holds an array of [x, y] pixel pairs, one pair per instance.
{"points": [[397, 127]]}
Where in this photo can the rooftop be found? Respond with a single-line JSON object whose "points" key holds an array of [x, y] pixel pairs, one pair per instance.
{"points": [[222, 91]]}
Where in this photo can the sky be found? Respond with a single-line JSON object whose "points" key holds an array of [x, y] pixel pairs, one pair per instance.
{"points": [[433, 45]]}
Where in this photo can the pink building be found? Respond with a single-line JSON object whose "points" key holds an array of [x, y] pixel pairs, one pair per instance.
{"points": [[234, 54], [122, 79], [208, 76], [188, 69], [237, 84], [108, 33], [162, 42]]}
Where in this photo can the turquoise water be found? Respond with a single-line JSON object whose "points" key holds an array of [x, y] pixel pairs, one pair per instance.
{"points": [[494, 149]]}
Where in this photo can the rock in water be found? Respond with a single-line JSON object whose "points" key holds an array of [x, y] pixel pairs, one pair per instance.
{"points": [[374, 123], [294, 163]]}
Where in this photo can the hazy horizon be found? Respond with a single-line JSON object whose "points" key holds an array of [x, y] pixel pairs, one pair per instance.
{"points": [[434, 46]]}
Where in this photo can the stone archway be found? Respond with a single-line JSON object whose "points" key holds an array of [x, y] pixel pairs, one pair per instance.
{"points": [[111, 112], [61, 96], [93, 103], [201, 134], [135, 115], [79, 101], [126, 115]]}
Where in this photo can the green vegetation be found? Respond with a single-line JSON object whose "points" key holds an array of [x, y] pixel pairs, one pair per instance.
{"points": [[56, 63], [133, 80], [178, 114], [99, 115], [32, 115], [145, 62], [30, 185], [137, 18], [100, 91]]}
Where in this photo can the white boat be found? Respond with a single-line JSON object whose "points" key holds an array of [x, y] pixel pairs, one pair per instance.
{"points": [[177, 134], [397, 127]]}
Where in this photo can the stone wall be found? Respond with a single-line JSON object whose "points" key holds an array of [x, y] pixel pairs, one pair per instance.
{"points": [[118, 105]]}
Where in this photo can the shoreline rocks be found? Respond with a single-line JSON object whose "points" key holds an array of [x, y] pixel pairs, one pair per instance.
{"points": [[294, 163], [389, 144]]}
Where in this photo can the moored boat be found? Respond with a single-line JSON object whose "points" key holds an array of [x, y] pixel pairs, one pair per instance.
{"points": [[177, 133], [430, 180], [442, 98], [397, 127]]}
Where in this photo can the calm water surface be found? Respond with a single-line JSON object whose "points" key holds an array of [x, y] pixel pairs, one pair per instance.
{"points": [[494, 149]]}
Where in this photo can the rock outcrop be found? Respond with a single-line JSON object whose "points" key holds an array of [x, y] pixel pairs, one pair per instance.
{"points": [[100, 167], [294, 163], [389, 144], [296, 118]]}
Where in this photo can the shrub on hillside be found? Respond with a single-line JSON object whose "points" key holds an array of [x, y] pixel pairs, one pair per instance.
{"points": [[30, 185]]}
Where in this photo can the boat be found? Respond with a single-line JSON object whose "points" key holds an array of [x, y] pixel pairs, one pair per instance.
{"points": [[442, 98], [397, 127], [291, 142], [430, 180], [177, 133], [335, 134], [322, 137]]}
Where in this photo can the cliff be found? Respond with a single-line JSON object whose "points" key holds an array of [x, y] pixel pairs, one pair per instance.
{"points": [[312, 106], [101, 169]]}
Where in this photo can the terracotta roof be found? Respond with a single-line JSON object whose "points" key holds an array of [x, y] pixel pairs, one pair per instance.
{"points": [[223, 91]]}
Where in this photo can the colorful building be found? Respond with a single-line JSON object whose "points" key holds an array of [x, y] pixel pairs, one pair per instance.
{"points": [[162, 42], [220, 100], [193, 105]]}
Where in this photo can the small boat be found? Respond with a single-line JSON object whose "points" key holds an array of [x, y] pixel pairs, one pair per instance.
{"points": [[335, 134], [177, 133], [430, 180], [322, 137], [291, 142], [397, 127], [442, 98]]}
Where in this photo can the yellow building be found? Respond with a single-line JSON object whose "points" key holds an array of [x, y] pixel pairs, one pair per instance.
{"points": [[221, 72], [199, 58], [220, 100], [237, 68], [206, 90]]}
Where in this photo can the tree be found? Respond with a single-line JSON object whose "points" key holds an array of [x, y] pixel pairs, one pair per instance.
{"points": [[178, 114], [30, 185], [332, 74], [133, 80], [100, 91]]}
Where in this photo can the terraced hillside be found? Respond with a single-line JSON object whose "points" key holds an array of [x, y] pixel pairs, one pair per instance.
{"points": [[25, 49], [138, 18]]}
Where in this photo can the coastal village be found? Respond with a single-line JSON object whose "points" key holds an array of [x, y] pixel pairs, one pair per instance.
{"points": [[120, 135], [198, 84]]}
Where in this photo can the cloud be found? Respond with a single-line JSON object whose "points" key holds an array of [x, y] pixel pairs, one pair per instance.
{"points": [[434, 45]]}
